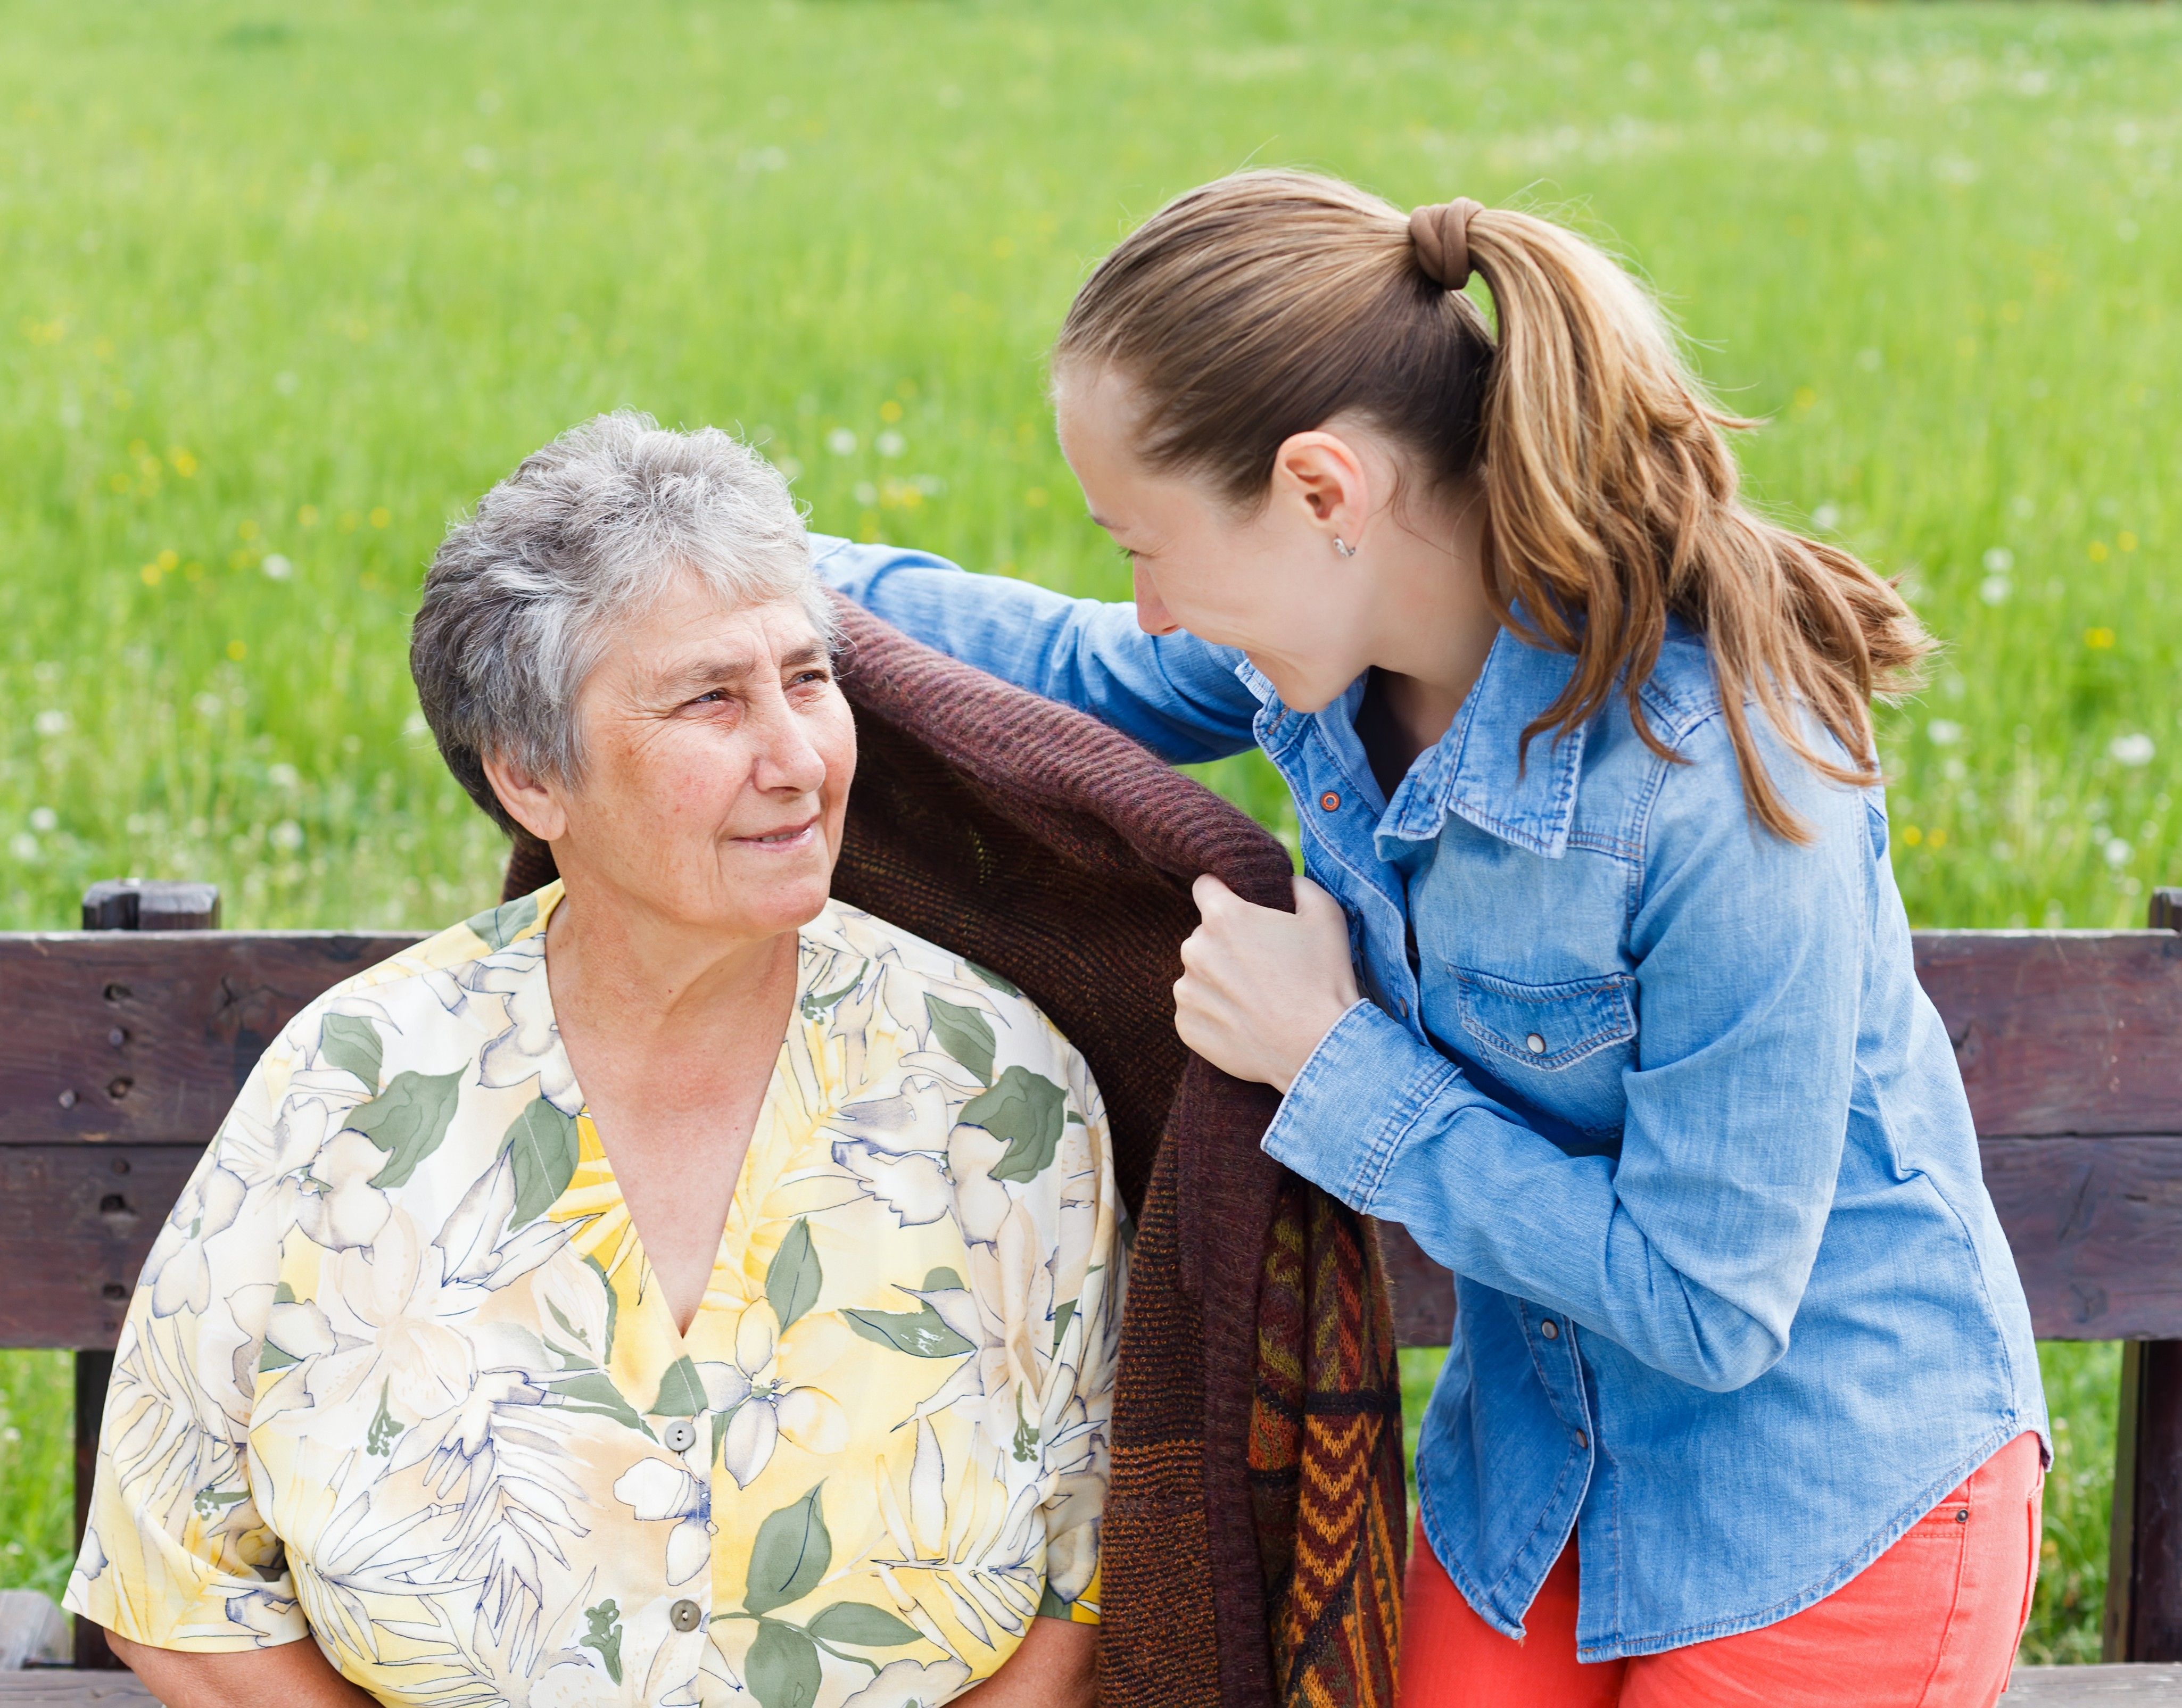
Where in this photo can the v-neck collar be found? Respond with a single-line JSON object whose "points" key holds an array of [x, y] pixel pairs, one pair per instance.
{"points": [[609, 1239]]}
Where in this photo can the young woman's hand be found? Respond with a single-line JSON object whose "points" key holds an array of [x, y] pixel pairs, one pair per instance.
{"points": [[1260, 987]]}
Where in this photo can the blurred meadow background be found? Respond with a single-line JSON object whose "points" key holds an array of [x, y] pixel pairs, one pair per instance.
{"points": [[283, 289]]}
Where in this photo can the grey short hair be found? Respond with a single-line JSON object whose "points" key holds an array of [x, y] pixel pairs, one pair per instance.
{"points": [[523, 597]]}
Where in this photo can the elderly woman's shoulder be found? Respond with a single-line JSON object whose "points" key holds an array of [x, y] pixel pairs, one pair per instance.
{"points": [[435, 979], [951, 984]]}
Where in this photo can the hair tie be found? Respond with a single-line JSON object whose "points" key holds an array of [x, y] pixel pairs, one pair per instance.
{"points": [[1440, 236]]}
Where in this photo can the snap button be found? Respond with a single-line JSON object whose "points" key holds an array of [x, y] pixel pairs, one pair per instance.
{"points": [[686, 1615], [1330, 800], [1550, 1329], [1582, 1440], [681, 1435], [1962, 1516], [1535, 1044]]}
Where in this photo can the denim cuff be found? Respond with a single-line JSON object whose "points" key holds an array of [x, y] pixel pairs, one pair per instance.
{"points": [[1355, 1100]]}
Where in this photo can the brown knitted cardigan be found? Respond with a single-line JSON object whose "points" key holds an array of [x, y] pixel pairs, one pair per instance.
{"points": [[1254, 1531]]}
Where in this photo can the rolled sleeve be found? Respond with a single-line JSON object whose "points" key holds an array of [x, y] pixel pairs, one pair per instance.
{"points": [[1355, 1101]]}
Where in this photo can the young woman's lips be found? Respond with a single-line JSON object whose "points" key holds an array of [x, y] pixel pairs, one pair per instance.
{"points": [[786, 839]]}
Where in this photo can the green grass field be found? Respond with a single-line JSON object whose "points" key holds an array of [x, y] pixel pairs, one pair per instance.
{"points": [[282, 289]]}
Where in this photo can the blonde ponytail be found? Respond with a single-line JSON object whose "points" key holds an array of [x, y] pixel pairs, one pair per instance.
{"points": [[1268, 303]]}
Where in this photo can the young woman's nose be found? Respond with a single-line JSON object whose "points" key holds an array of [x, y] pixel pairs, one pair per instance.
{"points": [[1152, 615]]}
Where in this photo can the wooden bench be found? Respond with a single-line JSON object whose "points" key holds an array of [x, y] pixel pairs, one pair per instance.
{"points": [[122, 1045]]}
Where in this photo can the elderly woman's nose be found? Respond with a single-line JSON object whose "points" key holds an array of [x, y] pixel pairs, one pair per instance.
{"points": [[789, 754]]}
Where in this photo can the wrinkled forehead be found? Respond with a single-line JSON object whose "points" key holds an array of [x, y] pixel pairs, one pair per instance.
{"points": [[696, 636]]}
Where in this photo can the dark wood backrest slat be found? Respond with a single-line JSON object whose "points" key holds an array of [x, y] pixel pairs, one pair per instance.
{"points": [[144, 1037], [116, 1045], [2062, 1033]]}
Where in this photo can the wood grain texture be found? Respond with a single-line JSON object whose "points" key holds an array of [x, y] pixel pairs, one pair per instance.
{"points": [[2094, 1686], [2147, 1546], [144, 1037], [59, 1687], [2062, 1033], [2067, 1043], [75, 1223]]}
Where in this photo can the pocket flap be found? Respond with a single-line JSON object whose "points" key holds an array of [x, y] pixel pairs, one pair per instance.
{"points": [[1546, 1026]]}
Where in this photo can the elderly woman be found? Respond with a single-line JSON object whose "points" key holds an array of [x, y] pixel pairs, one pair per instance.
{"points": [[672, 1287]]}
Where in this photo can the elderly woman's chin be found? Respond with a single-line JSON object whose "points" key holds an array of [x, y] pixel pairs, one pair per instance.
{"points": [[773, 880]]}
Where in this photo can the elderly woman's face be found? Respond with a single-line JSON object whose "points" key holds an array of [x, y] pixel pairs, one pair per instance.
{"points": [[718, 752]]}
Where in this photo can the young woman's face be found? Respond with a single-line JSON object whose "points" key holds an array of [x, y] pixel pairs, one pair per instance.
{"points": [[1268, 582]]}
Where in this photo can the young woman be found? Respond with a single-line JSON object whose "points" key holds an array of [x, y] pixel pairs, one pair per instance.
{"points": [[1599, 982]]}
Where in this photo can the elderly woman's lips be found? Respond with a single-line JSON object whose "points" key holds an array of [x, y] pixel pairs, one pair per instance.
{"points": [[788, 838]]}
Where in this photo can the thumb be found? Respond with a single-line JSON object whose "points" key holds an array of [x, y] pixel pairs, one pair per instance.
{"points": [[1209, 893]]}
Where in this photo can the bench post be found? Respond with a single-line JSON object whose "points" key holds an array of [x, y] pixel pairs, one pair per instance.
{"points": [[124, 904], [2144, 1560]]}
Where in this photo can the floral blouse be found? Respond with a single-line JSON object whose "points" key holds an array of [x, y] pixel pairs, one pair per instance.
{"points": [[398, 1376]]}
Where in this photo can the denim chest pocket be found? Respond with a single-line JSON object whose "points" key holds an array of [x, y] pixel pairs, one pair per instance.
{"points": [[1546, 1027]]}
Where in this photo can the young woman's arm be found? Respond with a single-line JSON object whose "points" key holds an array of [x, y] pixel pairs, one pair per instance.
{"points": [[1691, 1249], [290, 1675], [1177, 695]]}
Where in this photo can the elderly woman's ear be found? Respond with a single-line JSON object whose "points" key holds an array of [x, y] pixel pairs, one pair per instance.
{"points": [[528, 800]]}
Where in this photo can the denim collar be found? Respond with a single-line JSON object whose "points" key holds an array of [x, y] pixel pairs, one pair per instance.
{"points": [[1474, 770]]}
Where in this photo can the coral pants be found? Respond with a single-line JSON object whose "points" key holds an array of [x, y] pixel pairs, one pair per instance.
{"points": [[1932, 1623]]}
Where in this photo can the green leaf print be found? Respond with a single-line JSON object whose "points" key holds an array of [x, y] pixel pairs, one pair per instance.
{"points": [[1026, 1443], [602, 1632], [1051, 1607], [1024, 1108], [964, 1033], [407, 1120], [271, 1358], [212, 1501], [922, 1333], [1062, 1318], [790, 1555], [592, 1392], [681, 1391], [353, 1044], [500, 926], [782, 1670], [993, 978], [815, 1005], [793, 1277], [542, 1141], [613, 1306], [941, 1280], [379, 1441], [861, 1626]]}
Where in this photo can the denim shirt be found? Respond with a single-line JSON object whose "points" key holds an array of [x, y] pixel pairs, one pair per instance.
{"points": [[1658, 1086]]}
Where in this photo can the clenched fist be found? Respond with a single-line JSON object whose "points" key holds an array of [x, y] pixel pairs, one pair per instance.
{"points": [[1260, 987]]}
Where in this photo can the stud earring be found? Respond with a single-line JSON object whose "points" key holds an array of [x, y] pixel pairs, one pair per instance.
{"points": [[1343, 547]]}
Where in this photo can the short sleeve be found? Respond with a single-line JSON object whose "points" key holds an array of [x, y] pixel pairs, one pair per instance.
{"points": [[176, 1554], [1089, 1271]]}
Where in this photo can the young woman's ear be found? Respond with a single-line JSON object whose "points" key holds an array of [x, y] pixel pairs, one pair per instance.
{"points": [[528, 799], [1320, 477]]}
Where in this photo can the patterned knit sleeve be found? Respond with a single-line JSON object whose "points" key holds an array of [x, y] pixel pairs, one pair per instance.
{"points": [[176, 1554], [1090, 1279]]}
